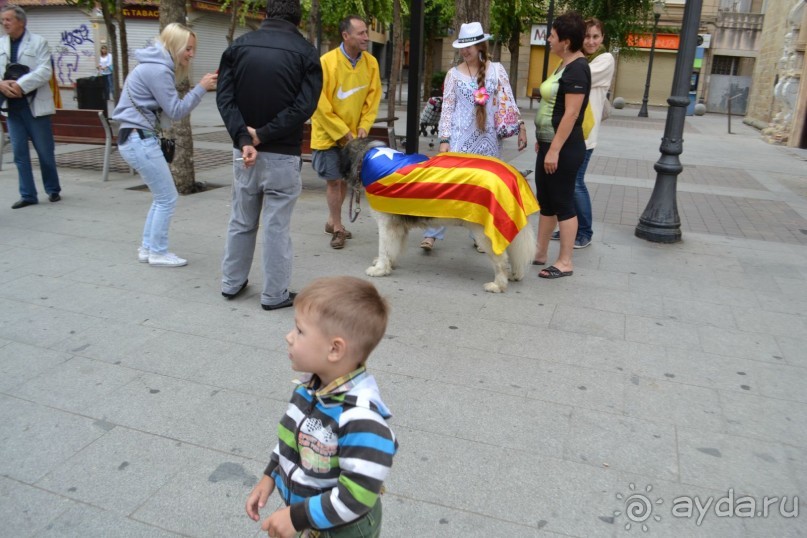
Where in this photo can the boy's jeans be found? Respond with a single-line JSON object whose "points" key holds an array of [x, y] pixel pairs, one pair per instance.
{"points": [[145, 156]]}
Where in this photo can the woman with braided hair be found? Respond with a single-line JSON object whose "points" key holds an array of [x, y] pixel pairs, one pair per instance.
{"points": [[470, 94]]}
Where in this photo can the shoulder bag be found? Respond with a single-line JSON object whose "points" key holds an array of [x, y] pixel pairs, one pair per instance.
{"points": [[167, 145]]}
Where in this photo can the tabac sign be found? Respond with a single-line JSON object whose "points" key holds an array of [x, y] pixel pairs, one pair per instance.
{"points": [[141, 12]]}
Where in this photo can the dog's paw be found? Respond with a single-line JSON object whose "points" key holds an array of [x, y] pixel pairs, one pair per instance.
{"points": [[515, 277], [492, 287], [375, 270]]}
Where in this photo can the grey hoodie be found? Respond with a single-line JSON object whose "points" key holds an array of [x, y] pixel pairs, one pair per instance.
{"points": [[152, 86]]}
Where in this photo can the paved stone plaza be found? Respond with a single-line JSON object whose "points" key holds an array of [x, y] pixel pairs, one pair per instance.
{"points": [[136, 401]]}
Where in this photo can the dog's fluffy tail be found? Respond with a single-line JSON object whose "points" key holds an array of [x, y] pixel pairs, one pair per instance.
{"points": [[521, 252]]}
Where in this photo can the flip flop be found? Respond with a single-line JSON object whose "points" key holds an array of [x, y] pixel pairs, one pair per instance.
{"points": [[536, 262], [554, 272]]}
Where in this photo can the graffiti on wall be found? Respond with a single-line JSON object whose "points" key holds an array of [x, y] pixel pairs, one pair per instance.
{"points": [[76, 37], [75, 44]]}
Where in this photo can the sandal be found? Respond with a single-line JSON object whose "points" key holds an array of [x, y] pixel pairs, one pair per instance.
{"points": [[554, 272], [427, 244]]}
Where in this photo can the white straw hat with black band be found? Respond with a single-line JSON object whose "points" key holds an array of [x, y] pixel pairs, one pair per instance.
{"points": [[470, 34]]}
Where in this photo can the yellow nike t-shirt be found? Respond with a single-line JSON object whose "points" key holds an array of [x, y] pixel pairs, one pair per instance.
{"points": [[349, 99]]}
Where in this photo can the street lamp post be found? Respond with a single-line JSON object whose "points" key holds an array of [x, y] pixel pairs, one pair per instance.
{"points": [[660, 222], [658, 9]]}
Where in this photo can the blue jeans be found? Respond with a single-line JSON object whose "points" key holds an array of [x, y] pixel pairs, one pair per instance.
{"points": [[109, 93], [145, 156], [582, 201], [21, 127]]}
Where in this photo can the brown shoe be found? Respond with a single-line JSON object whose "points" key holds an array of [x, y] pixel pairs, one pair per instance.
{"points": [[338, 239], [329, 231]]}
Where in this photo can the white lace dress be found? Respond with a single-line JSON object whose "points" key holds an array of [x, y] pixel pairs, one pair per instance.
{"points": [[458, 118]]}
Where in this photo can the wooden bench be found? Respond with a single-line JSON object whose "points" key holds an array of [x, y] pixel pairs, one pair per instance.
{"points": [[77, 127], [384, 133], [535, 96]]}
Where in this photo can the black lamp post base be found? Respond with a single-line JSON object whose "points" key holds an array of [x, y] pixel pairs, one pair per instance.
{"points": [[657, 232]]}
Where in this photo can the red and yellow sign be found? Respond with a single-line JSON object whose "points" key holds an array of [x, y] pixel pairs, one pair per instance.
{"points": [[663, 41], [141, 12]]}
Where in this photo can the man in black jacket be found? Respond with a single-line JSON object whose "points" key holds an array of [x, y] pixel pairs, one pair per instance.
{"points": [[269, 85]]}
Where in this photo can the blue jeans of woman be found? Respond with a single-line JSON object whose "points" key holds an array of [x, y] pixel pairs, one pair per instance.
{"points": [[145, 156], [22, 126], [109, 93], [582, 201]]}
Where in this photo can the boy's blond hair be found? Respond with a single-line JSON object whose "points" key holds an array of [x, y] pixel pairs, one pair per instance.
{"points": [[174, 38], [347, 307]]}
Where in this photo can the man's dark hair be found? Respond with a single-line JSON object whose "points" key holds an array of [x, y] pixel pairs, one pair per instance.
{"points": [[288, 10], [571, 26], [346, 23]]}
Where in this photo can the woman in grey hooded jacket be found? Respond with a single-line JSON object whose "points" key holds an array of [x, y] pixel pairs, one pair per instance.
{"points": [[148, 102]]}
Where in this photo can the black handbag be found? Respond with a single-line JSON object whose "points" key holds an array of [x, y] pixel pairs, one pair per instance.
{"points": [[169, 146]]}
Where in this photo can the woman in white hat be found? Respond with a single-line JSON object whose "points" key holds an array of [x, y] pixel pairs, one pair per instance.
{"points": [[466, 122]]}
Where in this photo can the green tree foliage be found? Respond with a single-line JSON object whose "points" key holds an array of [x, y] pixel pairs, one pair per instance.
{"points": [[620, 17], [508, 20]]}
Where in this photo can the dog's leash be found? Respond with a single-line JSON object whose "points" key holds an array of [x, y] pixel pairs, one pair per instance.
{"points": [[355, 196]]}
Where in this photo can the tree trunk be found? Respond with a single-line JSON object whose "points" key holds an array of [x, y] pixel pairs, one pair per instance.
{"points": [[313, 25], [112, 42], [182, 167], [233, 22], [124, 41], [472, 11], [514, 46], [428, 67], [397, 57]]}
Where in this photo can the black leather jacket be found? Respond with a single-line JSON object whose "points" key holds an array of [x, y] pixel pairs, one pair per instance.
{"points": [[269, 79]]}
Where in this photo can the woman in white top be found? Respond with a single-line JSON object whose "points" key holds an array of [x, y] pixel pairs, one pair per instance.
{"points": [[601, 64], [105, 70], [466, 126]]}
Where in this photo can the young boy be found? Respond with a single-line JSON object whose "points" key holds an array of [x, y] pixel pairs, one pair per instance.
{"points": [[335, 448]]}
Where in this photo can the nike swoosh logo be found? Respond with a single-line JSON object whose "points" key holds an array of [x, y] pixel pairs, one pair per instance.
{"points": [[344, 95]]}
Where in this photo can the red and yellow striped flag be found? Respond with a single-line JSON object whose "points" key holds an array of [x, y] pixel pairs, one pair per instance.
{"points": [[484, 190]]}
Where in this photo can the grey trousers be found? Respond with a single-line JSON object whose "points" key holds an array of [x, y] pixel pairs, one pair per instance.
{"points": [[270, 187]]}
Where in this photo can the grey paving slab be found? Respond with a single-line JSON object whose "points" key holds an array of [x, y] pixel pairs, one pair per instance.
{"points": [[109, 341], [598, 439], [21, 362], [757, 346], [763, 418], [87, 521], [700, 369], [719, 461], [45, 326], [208, 494], [405, 517], [25, 510], [75, 384], [793, 350], [589, 321], [673, 403], [151, 403], [29, 434], [663, 332], [478, 415]]}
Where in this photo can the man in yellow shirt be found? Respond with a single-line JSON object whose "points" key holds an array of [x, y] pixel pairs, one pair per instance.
{"points": [[347, 108]]}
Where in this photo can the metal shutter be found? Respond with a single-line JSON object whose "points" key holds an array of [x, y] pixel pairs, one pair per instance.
{"points": [[211, 31], [71, 37]]}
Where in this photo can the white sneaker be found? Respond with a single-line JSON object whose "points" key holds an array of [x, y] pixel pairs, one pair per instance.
{"points": [[142, 255], [169, 259]]}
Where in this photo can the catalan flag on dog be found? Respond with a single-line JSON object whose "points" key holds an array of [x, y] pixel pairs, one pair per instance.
{"points": [[473, 188]]}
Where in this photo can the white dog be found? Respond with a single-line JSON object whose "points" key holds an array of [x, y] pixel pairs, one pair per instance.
{"points": [[515, 250]]}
